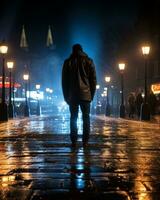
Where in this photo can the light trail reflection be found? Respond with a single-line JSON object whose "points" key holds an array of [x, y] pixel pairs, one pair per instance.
{"points": [[7, 180], [80, 170]]}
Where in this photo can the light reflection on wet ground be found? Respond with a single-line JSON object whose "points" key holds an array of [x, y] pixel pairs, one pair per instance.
{"points": [[121, 162]]}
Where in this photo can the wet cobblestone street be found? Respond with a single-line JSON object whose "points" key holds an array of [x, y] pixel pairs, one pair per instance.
{"points": [[122, 161]]}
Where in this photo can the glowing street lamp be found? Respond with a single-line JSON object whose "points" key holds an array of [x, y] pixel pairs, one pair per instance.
{"points": [[145, 50], [3, 48], [97, 105], [3, 105], [107, 79], [122, 107], [10, 65], [121, 67], [38, 86], [97, 87], [47, 89], [26, 108], [50, 91], [105, 92], [26, 77], [145, 110], [108, 111]]}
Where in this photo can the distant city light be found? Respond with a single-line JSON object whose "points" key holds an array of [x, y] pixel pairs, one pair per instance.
{"points": [[143, 95], [35, 95], [105, 92], [50, 91], [97, 87], [107, 79], [47, 89], [38, 86], [26, 77], [10, 64]]}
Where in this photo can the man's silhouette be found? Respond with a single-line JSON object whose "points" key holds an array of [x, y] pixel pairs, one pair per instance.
{"points": [[79, 85]]}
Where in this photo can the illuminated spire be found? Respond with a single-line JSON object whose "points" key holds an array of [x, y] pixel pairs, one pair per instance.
{"points": [[23, 41], [49, 42]]}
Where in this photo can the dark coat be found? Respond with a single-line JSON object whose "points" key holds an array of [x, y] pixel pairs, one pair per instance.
{"points": [[78, 78]]}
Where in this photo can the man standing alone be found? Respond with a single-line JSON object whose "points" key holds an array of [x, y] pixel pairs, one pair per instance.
{"points": [[79, 85]]}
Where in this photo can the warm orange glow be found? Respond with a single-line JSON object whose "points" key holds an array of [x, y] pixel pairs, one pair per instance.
{"points": [[26, 77], [121, 66], [7, 84], [155, 88], [107, 79], [3, 49], [145, 50], [10, 64]]}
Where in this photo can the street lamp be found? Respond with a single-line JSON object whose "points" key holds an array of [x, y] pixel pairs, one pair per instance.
{"points": [[38, 86], [10, 65], [145, 110], [97, 104], [3, 105], [26, 108], [112, 99], [108, 111], [38, 105], [47, 89], [50, 91], [122, 107], [97, 87]]}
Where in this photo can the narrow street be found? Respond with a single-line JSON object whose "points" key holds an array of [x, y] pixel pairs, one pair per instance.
{"points": [[121, 162]]}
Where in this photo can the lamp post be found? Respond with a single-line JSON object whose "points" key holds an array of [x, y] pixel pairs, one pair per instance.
{"points": [[38, 105], [51, 95], [47, 91], [13, 89], [145, 110], [97, 106], [122, 107], [108, 111], [26, 108], [112, 99], [3, 105], [10, 65]]}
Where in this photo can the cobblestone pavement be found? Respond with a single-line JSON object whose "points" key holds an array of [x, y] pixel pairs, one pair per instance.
{"points": [[122, 161]]}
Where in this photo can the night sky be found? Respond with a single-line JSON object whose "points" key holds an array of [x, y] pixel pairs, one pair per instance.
{"points": [[71, 20], [99, 25]]}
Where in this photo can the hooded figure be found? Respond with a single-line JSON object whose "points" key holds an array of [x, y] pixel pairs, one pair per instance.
{"points": [[79, 85]]}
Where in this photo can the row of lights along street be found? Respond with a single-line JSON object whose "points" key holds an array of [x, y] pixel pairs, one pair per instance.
{"points": [[106, 93], [8, 111], [145, 111]]}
